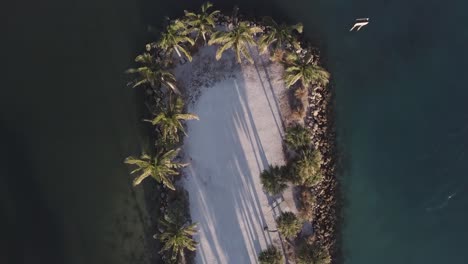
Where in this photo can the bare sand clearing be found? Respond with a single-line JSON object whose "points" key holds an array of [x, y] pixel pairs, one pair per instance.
{"points": [[238, 135]]}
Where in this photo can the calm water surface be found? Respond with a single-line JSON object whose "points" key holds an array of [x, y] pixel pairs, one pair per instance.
{"points": [[67, 120]]}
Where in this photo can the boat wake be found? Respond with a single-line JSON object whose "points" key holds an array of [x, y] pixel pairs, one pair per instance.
{"points": [[442, 204]]}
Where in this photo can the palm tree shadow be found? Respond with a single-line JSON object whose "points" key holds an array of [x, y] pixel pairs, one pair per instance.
{"points": [[225, 192]]}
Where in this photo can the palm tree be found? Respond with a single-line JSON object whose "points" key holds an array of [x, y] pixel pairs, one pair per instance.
{"points": [[153, 73], [288, 224], [306, 168], [297, 137], [161, 168], [273, 179], [278, 35], [306, 70], [174, 38], [237, 39], [202, 23], [170, 120], [177, 238]]}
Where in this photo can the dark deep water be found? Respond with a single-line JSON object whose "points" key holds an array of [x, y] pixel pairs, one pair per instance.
{"points": [[67, 121]]}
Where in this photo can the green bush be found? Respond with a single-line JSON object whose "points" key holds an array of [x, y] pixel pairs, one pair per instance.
{"points": [[306, 204], [270, 256], [273, 179], [178, 208], [297, 137], [288, 224], [306, 168], [310, 254]]}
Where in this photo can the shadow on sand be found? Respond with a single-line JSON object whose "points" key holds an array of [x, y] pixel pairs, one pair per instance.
{"points": [[238, 135]]}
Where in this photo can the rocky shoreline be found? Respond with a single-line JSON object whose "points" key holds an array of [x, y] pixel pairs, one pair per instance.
{"points": [[319, 120]]}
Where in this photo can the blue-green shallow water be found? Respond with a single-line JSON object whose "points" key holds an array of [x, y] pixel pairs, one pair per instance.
{"points": [[403, 128], [67, 121]]}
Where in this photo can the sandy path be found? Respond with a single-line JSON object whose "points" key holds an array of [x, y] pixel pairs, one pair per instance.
{"points": [[238, 135]]}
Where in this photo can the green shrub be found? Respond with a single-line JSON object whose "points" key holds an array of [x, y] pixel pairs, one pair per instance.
{"points": [[297, 137], [270, 256], [311, 254], [178, 208], [306, 204], [306, 168], [273, 179], [288, 224]]}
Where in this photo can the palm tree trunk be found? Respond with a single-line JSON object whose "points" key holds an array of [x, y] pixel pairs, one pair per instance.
{"points": [[178, 52], [234, 15], [204, 38], [182, 258]]}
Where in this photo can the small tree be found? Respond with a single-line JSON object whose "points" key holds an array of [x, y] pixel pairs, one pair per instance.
{"points": [[311, 254], [297, 137], [306, 168], [288, 224], [270, 256], [273, 179]]}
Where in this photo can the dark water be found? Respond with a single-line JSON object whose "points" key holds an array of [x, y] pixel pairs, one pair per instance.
{"points": [[67, 120]]}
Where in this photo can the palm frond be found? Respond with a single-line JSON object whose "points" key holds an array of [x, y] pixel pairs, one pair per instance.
{"points": [[144, 175], [246, 54], [187, 117], [186, 53], [298, 27], [156, 120], [206, 6], [220, 51]]}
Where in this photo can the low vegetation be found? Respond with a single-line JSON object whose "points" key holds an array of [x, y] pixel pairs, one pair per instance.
{"points": [[306, 168], [310, 253], [274, 179], [297, 137], [307, 201], [288, 224], [271, 255], [177, 208]]}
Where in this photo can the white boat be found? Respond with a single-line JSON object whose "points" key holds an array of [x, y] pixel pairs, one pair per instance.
{"points": [[359, 23]]}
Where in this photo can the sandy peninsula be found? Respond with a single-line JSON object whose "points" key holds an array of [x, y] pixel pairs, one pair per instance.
{"points": [[239, 134]]}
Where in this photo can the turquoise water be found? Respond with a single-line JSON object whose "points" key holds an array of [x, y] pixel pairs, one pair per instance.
{"points": [[403, 131], [68, 120]]}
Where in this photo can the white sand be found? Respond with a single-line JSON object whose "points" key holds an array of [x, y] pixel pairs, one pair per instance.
{"points": [[238, 135]]}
